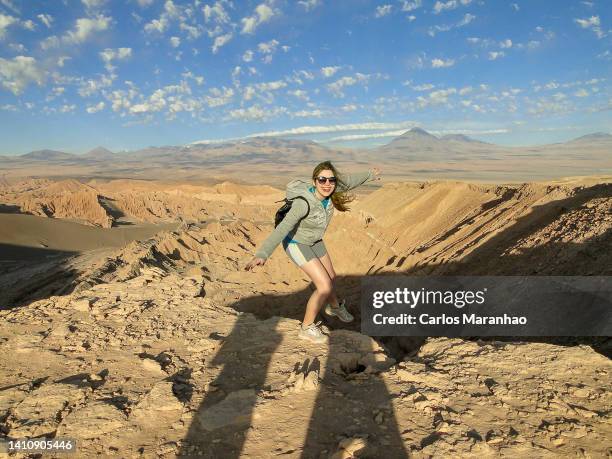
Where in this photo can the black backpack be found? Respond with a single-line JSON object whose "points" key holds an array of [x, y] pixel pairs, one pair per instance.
{"points": [[286, 207]]}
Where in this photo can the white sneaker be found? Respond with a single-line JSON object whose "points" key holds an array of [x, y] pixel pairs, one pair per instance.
{"points": [[313, 333], [340, 312]]}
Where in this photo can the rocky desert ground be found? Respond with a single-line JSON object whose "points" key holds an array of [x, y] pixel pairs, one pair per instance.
{"points": [[129, 323]]}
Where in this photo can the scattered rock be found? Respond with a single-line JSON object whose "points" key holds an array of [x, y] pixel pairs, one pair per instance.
{"points": [[235, 409], [349, 448]]}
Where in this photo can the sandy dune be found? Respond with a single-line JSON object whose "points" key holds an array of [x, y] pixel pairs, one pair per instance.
{"points": [[166, 347]]}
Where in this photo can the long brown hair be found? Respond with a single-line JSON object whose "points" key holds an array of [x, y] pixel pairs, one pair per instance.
{"points": [[340, 199]]}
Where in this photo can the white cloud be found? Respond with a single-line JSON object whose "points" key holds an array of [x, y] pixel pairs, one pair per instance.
{"points": [[28, 24], [247, 56], [175, 42], [92, 5], [155, 103], [589, 22], [440, 96], [170, 12], [96, 108], [90, 87], [5, 22], [303, 130], [308, 114], [216, 13], [67, 108], [46, 19], [17, 47], [9, 4], [299, 76], [581, 93], [198, 79], [606, 55], [507, 43], [270, 85], [86, 27], [220, 42], [268, 47], [546, 107], [109, 54], [263, 13], [423, 87], [235, 74], [374, 135], [382, 10], [62, 60], [119, 54], [144, 3], [217, 30], [592, 23], [494, 55], [337, 87], [171, 9], [515, 6], [450, 5], [328, 72], [17, 73], [192, 31], [309, 5], [441, 63], [411, 5], [219, 97], [55, 92], [467, 18], [157, 25], [256, 113], [50, 42], [299, 94]]}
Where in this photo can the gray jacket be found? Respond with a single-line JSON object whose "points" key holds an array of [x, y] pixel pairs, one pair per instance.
{"points": [[311, 228]]}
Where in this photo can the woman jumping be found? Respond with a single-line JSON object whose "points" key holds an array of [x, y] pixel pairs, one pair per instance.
{"points": [[301, 232]]}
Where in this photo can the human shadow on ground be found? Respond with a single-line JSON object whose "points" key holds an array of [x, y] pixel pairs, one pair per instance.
{"points": [[343, 406]]}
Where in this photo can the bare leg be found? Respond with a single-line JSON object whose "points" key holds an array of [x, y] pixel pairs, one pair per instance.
{"points": [[323, 289], [329, 267]]}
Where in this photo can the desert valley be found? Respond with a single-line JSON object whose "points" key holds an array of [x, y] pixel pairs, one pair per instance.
{"points": [[130, 324]]}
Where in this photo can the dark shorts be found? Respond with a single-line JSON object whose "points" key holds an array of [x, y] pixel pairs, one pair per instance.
{"points": [[301, 254]]}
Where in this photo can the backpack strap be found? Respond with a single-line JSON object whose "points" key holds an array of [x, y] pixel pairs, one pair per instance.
{"points": [[307, 205]]}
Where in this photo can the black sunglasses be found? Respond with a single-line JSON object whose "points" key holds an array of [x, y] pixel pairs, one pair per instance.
{"points": [[322, 180]]}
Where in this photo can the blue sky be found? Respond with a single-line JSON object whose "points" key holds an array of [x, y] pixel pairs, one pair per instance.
{"points": [[76, 74]]}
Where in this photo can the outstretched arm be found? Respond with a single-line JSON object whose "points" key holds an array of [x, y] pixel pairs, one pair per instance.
{"points": [[351, 181], [299, 208]]}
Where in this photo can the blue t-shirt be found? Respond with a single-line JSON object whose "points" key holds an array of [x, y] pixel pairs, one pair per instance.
{"points": [[325, 203]]}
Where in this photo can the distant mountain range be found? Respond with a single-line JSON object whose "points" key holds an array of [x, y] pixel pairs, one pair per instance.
{"points": [[416, 153], [416, 143], [99, 153], [595, 137], [48, 155], [419, 140]]}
